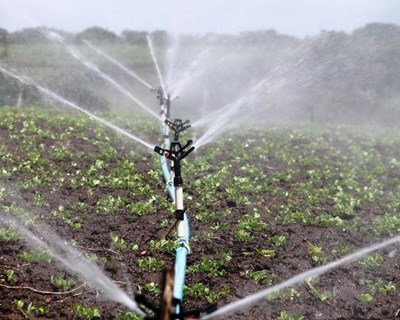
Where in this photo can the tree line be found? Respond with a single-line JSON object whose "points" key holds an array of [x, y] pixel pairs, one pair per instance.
{"points": [[344, 77]]}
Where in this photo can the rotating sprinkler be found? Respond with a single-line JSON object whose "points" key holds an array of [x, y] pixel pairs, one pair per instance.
{"points": [[177, 126], [164, 99], [169, 169]]}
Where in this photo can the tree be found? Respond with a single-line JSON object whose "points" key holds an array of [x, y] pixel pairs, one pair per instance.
{"points": [[97, 34], [28, 35], [134, 37]]}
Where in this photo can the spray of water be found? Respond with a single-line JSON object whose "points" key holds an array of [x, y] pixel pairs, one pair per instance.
{"points": [[273, 84], [194, 70], [310, 274], [50, 94], [228, 117], [118, 64], [77, 55], [171, 56], [73, 260], [150, 43]]}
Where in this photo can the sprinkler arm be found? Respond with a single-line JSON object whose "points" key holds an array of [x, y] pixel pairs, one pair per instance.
{"points": [[177, 126], [176, 153]]}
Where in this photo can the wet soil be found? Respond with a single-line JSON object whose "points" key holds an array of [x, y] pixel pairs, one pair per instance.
{"points": [[32, 279]]}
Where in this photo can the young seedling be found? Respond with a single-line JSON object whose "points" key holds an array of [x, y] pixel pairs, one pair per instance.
{"points": [[365, 298], [88, 313], [64, 284]]}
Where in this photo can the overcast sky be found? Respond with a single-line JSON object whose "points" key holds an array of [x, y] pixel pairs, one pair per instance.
{"points": [[293, 17]]}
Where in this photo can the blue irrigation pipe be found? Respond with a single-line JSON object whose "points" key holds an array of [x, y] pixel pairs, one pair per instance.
{"points": [[176, 153], [182, 251]]}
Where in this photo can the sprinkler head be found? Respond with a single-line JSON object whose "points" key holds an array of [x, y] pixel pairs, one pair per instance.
{"points": [[177, 126], [176, 152]]}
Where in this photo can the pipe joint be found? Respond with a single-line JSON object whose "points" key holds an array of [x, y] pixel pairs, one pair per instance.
{"points": [[179, 214]]}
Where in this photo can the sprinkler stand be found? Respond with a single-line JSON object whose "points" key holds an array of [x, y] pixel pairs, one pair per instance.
{"points": [[165, 109], [176, 153]]}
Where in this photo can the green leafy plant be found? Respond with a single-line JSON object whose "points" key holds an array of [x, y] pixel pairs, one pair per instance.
{"points": [[213, 267], [36, 255], [261, 277], [365, 297], [88, 313], [150, 264], [371, 262], [64, 284], [10, 276]]}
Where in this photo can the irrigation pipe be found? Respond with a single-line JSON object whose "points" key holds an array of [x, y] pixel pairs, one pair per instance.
{"points": [[176, 153]]}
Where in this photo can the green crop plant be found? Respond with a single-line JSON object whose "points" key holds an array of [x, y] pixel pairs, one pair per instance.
{"points": [[288, 294], [267, 253], [67, 217], [88, 313], [316, 254], [284, 315], [61, 153], [365, 298], [387, 225], [9, 276], [151, 288], [110, 205], [200, 290], [62, 283], [261, 277], [10, 234], [36, 255], [371, 262], [252, 222], [120, 244], [150, 264], [78, 206], [163, 245], [323, 296], [210, 266], [95, 258], [206, 216], [141, 208], [31, 308], [277, 240], [380, 287]]}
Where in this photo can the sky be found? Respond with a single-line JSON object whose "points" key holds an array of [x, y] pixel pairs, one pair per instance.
{"points": [[293, 17]]}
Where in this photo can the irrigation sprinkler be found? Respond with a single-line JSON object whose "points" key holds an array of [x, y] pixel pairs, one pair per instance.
{"points": [[171, 301], [177, 126], [165, 108], [165, 102], [169, 171]]}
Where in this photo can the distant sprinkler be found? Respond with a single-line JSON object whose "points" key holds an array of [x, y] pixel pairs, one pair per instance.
{"points": [[164, 98]]}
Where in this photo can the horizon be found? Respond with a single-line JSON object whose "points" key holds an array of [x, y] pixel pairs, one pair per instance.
{"points": [[299, 19]]}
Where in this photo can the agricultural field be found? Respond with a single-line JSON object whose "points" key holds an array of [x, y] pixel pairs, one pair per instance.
{"points": [[264, 205]]}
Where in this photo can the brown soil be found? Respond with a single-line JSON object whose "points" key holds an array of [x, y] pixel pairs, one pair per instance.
{"points": [[347, 282]]}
